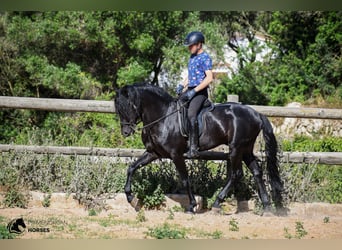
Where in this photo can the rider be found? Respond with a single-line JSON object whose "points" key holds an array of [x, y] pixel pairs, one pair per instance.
{"points": [[199, 77]]}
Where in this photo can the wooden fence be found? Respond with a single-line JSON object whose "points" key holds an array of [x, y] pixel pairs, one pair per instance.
{"points": [[328, 158], [69, 105]]}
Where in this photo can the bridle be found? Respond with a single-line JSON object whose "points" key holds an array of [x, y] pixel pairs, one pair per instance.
{"points": [[133, 125]]}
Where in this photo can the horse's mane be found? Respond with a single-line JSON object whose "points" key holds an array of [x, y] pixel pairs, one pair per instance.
{"points": [[134, 92], [142, 87]]}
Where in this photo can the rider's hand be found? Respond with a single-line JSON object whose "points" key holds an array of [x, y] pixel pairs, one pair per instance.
{"points": [[188, 95], [179, 89]]}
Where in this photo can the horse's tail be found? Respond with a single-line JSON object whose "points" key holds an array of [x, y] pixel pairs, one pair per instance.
{"points": [[271, 148]]}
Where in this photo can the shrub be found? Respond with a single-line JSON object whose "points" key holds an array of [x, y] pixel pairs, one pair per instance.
{"points": [[5, 234], [166, 231], [15, 198], [307, 144]]}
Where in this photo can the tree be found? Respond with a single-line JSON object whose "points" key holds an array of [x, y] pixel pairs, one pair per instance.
{"points": [[304, 61], [308, 59], [80, 55]]}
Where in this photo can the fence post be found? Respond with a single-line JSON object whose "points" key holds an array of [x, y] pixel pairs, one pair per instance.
{"points": [[232, 98]]}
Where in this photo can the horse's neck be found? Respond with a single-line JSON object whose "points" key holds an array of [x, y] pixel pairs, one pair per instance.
{"points": [[154, 107]]}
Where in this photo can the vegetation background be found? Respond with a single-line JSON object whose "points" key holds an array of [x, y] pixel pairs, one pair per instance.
{"points": [[88, 54]]}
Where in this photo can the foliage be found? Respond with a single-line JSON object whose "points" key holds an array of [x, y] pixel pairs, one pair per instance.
{"points": [[217, 234], [233, 225], [141, 216], [307, 144], [88, 54], [14, 195], [300, 232], [150, 199], [47, 200], [299, 43], [309, 182], [313, 182], [92, 212], [15, 198], [5, 234], [167, 231]]}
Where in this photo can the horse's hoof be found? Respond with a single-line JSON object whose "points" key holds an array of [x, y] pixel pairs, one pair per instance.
{"points": [[191, 210], [136, 203], [129, 197]]}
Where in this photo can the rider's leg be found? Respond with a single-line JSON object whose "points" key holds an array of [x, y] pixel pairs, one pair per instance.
{"points": [[193, 110]]}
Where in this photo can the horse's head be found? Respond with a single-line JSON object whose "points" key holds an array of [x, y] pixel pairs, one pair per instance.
{"points": [[127, 107]]}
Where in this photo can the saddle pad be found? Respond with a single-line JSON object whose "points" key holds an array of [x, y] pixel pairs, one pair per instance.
{"points": [[183, 120]]}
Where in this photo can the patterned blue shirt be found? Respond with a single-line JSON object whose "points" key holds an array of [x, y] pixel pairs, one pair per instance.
{"points": [[197, 66]]}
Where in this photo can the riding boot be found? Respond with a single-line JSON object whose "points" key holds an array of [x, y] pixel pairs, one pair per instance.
{"points": [[193, 140]]}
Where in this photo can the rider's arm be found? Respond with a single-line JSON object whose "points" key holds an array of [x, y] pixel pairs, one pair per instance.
{"points": [[185, 83], [206, 81]]}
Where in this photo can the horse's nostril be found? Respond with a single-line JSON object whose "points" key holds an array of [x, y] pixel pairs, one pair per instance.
{"points": [[125, 133]]}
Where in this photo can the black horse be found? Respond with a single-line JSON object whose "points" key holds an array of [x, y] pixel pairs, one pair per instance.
{"points": [[231, 124]]}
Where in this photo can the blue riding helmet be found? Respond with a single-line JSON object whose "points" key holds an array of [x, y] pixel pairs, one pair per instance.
{"points": [[193, 38]]}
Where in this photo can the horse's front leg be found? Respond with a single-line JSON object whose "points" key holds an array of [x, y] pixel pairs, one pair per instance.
{"points": [[234, 171], [181, 168], [143, 160]]}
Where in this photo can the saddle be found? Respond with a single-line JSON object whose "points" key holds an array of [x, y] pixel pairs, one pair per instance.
{"points": [[183, 120]]}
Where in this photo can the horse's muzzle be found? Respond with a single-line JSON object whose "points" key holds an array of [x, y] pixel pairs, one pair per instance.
{"points": [[127, 131]]}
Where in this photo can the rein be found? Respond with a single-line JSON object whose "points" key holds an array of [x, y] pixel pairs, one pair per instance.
{"points": [[155, 121]]}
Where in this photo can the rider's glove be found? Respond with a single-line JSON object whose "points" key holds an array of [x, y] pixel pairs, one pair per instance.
{"points": [[188, 95], [179, 89]]}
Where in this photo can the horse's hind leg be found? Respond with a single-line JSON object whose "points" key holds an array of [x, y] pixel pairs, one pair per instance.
{"points": [[256, 170]]}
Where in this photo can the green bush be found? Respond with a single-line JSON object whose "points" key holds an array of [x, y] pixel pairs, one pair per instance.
{"points": [[167, 231], [307, 144], [5, 234], [313, 182], [15, 198], [91, 177], [148, 199]]}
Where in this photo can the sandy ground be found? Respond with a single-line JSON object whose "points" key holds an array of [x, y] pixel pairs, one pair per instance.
{"points": [[65, 219]]}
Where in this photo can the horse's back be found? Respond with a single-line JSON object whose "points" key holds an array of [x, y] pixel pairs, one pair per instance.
{"points": [[238, 111], [230, 123]]}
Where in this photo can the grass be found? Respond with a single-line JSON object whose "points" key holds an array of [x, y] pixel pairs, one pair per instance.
{"points": [[300, 232], [167, 231], [233, 225]]}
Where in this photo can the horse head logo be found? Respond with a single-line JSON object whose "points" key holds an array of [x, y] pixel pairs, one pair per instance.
{"points": [[16, 226]]}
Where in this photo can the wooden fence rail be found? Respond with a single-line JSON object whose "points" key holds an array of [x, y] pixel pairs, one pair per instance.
{"points": [[62, 105], [328, 158], [71, 105]]}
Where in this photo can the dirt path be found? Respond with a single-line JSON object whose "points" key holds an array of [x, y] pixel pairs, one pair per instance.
{"points": [[66, 219]]}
